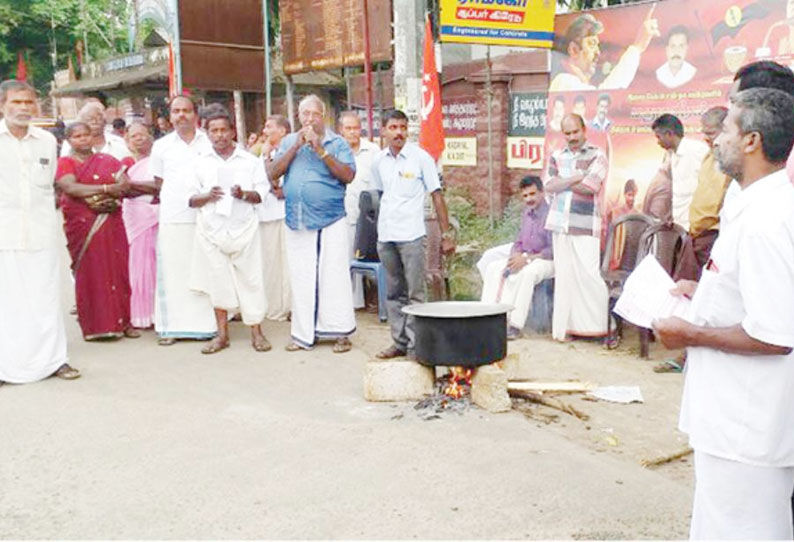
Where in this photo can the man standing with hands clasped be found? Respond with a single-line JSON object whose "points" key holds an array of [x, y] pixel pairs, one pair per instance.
{"points": [[405, 173], [738, 405], [227, 257], [317, 164]]}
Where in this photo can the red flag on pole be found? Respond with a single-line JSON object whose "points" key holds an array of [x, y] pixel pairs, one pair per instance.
{"points": [[431, 130], [22, 69]]}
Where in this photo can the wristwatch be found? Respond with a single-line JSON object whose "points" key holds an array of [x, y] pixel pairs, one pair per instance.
{"points": [[324, 154]]}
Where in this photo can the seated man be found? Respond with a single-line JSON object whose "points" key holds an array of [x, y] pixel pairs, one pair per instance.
{"points": [[513, 280], [227, 258]]}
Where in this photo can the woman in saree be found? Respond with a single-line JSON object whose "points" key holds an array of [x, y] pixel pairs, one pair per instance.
{"points": [[140, 220], [93, 185]]}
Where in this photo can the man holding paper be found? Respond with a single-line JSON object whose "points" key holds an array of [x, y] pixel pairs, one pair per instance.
{"points": [[227, 256], [738, 405]]}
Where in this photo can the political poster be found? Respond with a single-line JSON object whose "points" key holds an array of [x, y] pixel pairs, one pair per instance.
{"points": [[620, 68]]}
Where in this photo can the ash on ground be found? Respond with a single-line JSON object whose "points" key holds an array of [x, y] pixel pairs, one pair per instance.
{"points": [[440, 403]]}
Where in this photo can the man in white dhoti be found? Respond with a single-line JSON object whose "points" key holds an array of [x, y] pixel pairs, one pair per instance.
{"points": [[364, 151], [576, 176], [738, 405], [227, 257], [180, 313], [32, 333], [512, 280], [272, 227], [317, 164]]}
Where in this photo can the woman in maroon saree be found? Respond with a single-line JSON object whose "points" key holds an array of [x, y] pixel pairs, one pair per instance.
{"points": [[93, 185]]}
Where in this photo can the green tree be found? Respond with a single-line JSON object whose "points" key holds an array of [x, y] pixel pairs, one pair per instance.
{"points": [[47, 32]]}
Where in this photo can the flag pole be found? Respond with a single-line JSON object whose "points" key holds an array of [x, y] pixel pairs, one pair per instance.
{"points": [[489, 94], [368, 70]]}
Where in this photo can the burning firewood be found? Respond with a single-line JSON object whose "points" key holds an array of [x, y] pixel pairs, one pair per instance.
{"points": [[661, 460], [549, 402]]}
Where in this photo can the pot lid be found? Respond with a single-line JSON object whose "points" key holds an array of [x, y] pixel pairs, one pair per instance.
{"points": [[456, 309]]}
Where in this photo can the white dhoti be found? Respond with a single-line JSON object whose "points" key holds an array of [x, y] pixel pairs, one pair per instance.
{"points": [[517, 288], [322, 296], [581, 297], [32, 332], [501, 252], [229, 270], [274, 258], [737, 501], [358, 278], [179, 312]]}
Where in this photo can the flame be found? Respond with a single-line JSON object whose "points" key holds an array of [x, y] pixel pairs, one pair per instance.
{"points": [[459, 382]]}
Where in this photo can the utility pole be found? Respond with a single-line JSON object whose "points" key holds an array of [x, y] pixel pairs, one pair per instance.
{"points": [[408, 34]]}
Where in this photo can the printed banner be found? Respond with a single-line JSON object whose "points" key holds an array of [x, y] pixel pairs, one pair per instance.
{"points": [[620, 68], [525, 152], [460, 151], [527, 115], [517, 23]]}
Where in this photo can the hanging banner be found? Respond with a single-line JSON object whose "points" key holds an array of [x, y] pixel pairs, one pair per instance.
{"points": [[516, 23], [460, 151]]}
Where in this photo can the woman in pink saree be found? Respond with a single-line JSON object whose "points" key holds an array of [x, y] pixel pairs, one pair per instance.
{"points": [[140, 220], [93, 185]]}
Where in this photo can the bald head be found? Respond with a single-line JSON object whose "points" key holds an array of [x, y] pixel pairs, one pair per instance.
{"points": [[573, 129]]}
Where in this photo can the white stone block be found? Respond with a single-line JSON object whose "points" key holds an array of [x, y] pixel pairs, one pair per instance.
{"points": [[489, 389], [401, 380]]}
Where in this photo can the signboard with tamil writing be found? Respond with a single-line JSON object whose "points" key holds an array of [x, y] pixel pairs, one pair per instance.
{"points": [[526, 126], [460, 151], [459, 116], [515, 23]]}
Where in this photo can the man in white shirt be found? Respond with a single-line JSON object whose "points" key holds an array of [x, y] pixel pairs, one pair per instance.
{"points": [[32, 334], [405, 173], [686, 157], [581, 48], [364, 151], [272, 227], [227, 258], [180, 313], [738, 405], [676, 71], [93, 114]]}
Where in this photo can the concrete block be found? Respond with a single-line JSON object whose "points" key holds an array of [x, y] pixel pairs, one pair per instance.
{"points": [[516, 368], [397, 381], [489, 389]]}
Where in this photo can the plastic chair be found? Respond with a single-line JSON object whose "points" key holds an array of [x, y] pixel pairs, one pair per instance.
{"points": [[376, 271], [632, 229]]}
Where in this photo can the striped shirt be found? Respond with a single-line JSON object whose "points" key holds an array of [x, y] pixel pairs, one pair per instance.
{"points": [[571, 213]]}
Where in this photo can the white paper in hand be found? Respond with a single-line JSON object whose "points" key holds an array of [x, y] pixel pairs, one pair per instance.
{"points": [[225, 180], [646, 295]]}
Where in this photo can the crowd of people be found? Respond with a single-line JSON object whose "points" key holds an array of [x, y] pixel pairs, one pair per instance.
{"points": [[185, 232]]}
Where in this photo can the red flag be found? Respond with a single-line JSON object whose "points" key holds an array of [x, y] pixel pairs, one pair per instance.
{"points": [[22, 69], [431, 130], [171, 72]]}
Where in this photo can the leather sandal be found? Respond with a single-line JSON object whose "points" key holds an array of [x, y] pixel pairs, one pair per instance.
{"points": [[342, 345], [215, 345], [391, 352], [67, 372], [166, 341], [294, 347], [262, 345], [132, 333]]}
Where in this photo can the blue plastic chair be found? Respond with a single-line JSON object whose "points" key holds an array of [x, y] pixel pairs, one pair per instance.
{"points": [[376, 271]]}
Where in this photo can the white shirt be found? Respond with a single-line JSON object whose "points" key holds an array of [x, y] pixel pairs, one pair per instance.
{"points": [[404, 180], [363, 179], [741, 407], [621, 75], [272, 208], [114, 145], [242, 168], [174, 161], [684, 75], [685, 165], [28, 220]]}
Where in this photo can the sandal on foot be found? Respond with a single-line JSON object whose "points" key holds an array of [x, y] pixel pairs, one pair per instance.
{"points": [[67, 372], [342, 345], [215, 346], [294, 347], [261, 345], [390, 352], [166, 341], [132, 333], [668, 366]]}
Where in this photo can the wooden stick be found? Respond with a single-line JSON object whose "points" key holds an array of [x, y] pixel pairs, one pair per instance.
{"points": [[661, 460], [549, 402], [551, 387]]}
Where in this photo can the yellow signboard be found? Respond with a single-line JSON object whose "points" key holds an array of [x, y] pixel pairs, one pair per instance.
{"points": [[516, 23], [460, 151], [525, 152]]}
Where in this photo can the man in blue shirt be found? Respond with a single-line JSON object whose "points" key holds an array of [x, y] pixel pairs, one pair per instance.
{"points": [[405, 173], [317, 164]]}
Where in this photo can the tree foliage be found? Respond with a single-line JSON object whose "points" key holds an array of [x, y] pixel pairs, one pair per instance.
{"points": [[39, 28]]}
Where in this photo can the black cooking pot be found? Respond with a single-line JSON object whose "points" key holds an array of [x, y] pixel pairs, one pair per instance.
{"points": [[459, 333]]}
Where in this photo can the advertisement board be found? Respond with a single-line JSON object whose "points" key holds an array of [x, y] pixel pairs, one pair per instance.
{"points": [[459, 151], [620, 68], [515, 23]]}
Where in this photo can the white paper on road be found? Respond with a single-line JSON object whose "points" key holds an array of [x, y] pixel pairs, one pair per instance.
{"points": [[646, 295], [223, 206], [618, 394]]}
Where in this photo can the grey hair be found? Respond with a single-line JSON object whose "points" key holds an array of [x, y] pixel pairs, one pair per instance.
{"points": [[714, 116], [140, 123], [89, 108], [349, 115], [70, 130], [770, 112], [309, 98], [14, 85]]}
